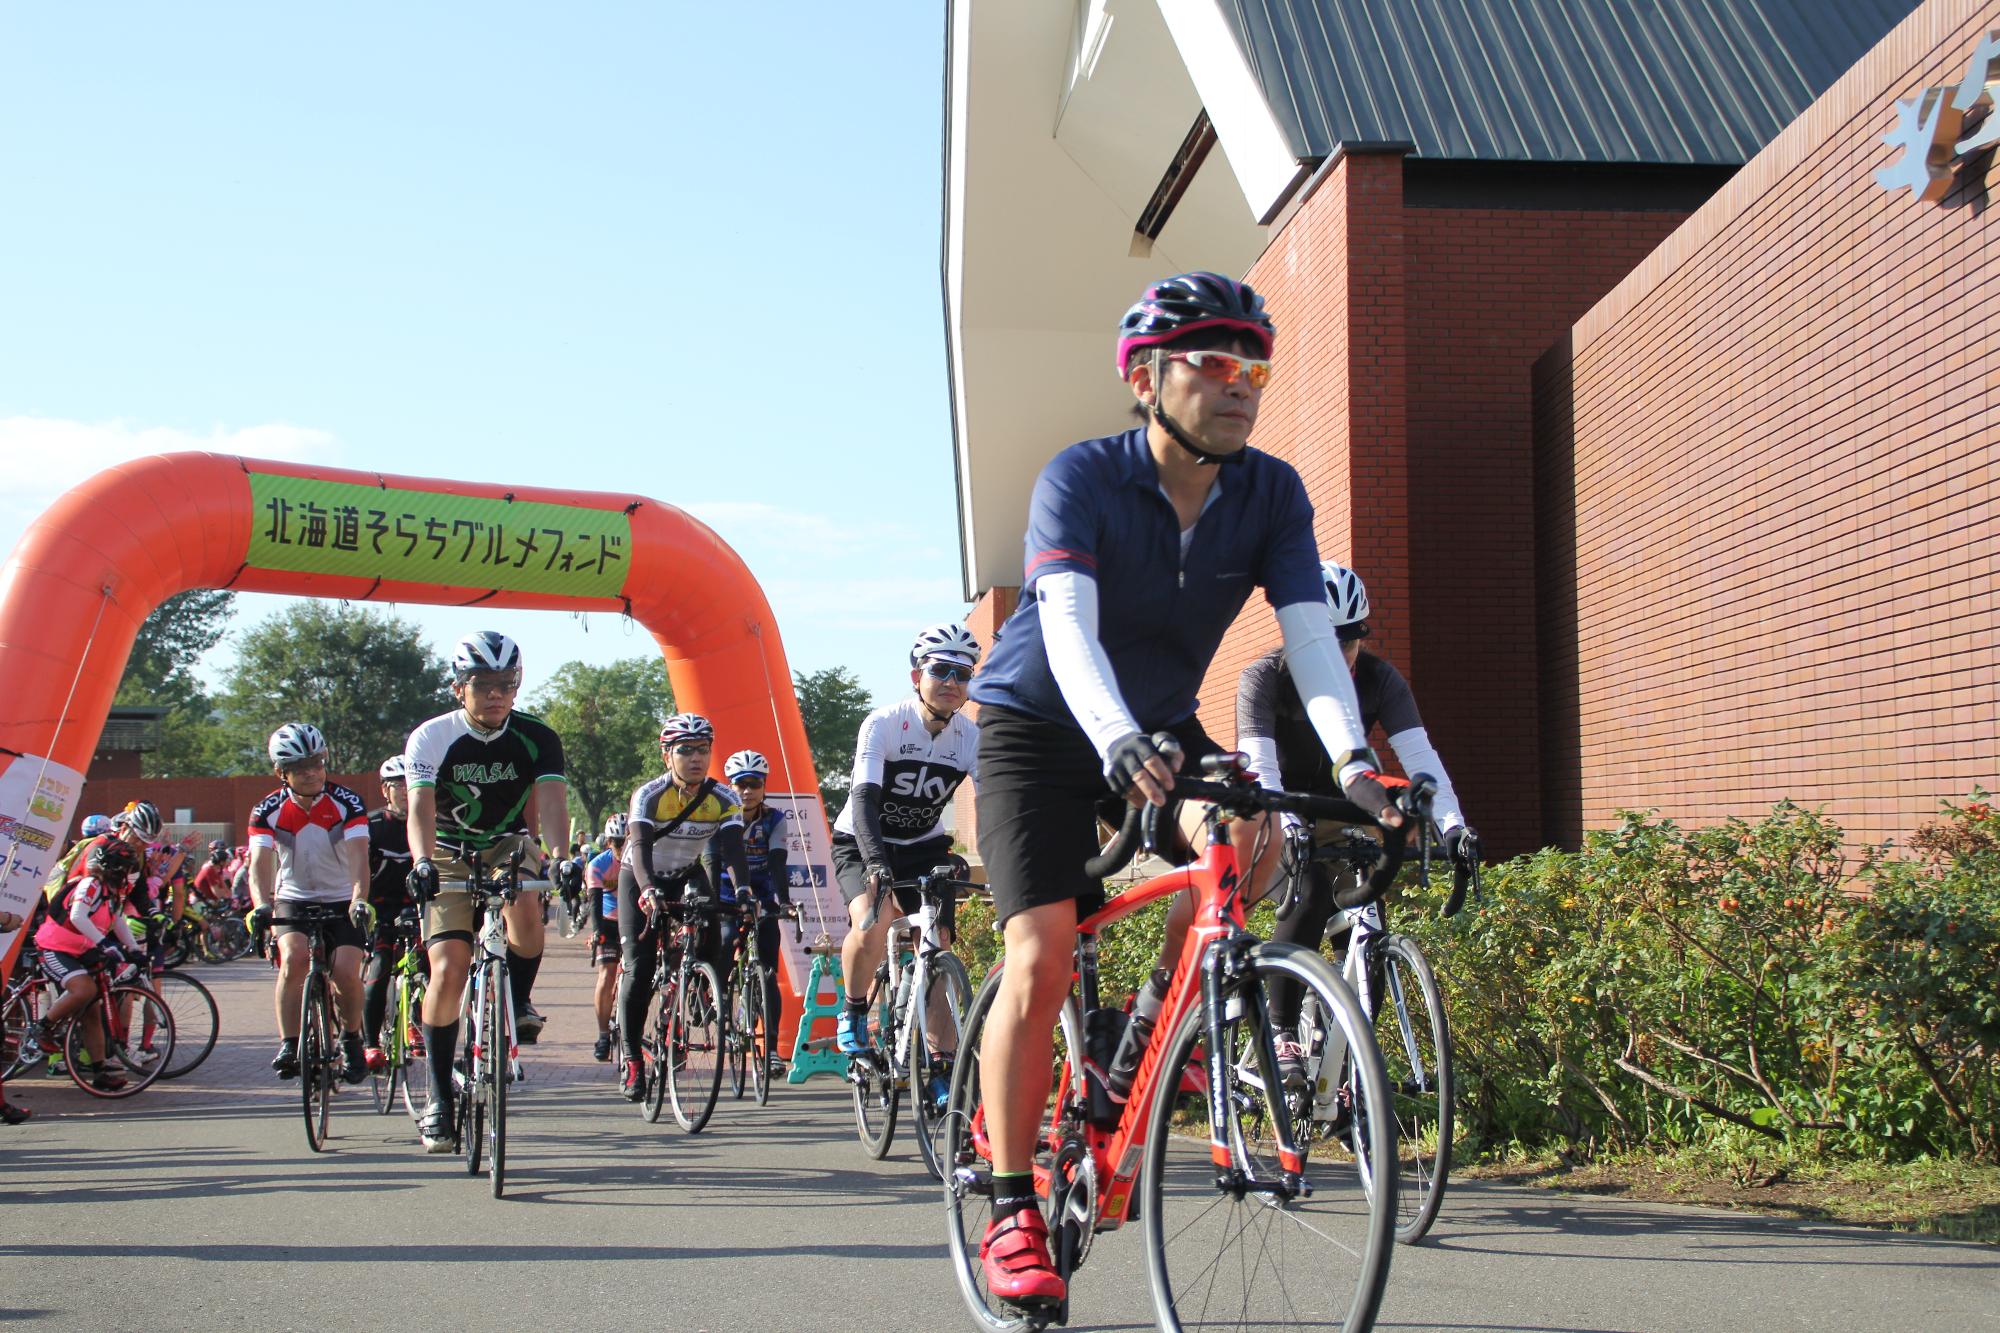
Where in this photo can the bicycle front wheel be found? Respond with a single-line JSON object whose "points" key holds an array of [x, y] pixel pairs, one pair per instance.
{"points": [[653, 1054], [1415, 1040], [734, 1040], [934, 1045], [196, 1021], [1232, 1243], [499, 1069], [130, 1009], [408, 1015], [22, 1008], [694, 1042], [316, 1048], [756, 1040]]}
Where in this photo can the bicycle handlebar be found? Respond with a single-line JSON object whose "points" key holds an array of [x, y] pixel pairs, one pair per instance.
{"points": [[1238, 794]]}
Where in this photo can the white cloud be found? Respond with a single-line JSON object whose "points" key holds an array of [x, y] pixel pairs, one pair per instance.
{"points": [[45, 456]]}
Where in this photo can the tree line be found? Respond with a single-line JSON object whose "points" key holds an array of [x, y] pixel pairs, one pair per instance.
{"points": [[366, 677]]}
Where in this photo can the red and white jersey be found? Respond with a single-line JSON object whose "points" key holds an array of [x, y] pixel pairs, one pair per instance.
{"points": [[311, 865]]}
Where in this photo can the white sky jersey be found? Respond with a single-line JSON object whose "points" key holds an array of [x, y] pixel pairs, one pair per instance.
{"points": [[916, 771], [660, 802]]}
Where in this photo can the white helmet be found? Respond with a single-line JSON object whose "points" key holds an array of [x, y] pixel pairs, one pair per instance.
{"points": [[294, 743], [618, 826], [685, 727], [393, 769], [488, 650], [951, 641], [746, 761], [1346, 595], [142, 817]]}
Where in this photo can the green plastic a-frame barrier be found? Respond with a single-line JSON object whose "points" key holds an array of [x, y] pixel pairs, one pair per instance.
{"points": [[816, 1055]]}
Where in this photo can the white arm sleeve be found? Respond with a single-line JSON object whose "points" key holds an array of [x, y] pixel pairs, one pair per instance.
{"points": [[1413, 748], [1312, 655], [1263, 752], [1077, 660]]}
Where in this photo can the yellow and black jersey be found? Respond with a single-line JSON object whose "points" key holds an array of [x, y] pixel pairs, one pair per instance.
{"points": [[659, 803]]}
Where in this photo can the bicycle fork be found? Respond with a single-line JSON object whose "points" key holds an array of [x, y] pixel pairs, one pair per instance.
{"points": [[1229, 994]]}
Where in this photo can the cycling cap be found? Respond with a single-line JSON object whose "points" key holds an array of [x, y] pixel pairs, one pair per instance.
{"points": [[746, 761], [488, 650], [112, 859], [96, 826], [1187, 303], [393, 770], [142, 817], [294, 743], [953, 642], [618, 826], [686, 727]]}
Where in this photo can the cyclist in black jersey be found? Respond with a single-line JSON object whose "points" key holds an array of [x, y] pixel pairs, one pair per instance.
{"points": [[908, 760], [388, 894], [1287, 755], [764, 850], [481, 777]]}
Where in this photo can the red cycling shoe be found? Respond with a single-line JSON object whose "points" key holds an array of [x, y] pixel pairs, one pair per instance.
{"points": [[1015, 1255]]}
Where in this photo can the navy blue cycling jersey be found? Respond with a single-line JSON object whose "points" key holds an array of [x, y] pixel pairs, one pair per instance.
{"points": [[1098, 509]]}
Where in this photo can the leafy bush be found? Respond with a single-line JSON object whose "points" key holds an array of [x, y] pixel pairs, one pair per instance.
{"points": [[1666, 985]]}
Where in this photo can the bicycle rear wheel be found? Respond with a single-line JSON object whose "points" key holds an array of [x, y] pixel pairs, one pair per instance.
{"points": [[1226, 1246], [230, 940], [1415, 1040], [933, 1047], [499, 1068], [316, 1058], [196, 1021], [694, 1058], [876, 1096], [968, 1184]]}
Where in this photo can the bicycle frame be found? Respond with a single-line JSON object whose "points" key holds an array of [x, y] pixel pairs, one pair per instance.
{"points": [[913, 940], [1216, 878]]}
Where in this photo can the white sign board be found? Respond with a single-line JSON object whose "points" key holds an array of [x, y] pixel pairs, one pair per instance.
{"points": [[36, 797]]}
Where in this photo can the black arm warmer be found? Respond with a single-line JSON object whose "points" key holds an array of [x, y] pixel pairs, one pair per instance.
{"points": [[774, 866], [728, 847], [867, 802]]}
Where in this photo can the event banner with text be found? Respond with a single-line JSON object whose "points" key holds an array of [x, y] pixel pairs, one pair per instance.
{"points": [[332, 527]]}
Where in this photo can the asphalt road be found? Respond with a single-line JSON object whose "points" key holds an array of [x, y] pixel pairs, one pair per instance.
{"points": [[197, 1205]]}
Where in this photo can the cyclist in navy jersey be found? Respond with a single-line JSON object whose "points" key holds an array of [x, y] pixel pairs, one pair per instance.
{"points": [[1141, 549], [764, 850], [600, 881], [908, 760]]}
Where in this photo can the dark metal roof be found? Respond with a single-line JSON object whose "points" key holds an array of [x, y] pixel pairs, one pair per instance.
{"points": [[1698, 82]]}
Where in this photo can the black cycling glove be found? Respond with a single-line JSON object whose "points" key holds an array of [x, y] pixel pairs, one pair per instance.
{"points": [[1130, 754], [423, 880]]}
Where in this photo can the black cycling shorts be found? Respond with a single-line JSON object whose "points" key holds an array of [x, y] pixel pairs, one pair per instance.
{"points": [[905, 862], [60, 967], [1041, 796], [341, 934]]}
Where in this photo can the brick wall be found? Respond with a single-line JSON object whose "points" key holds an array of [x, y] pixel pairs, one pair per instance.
{"points": [[213, 800], [1407, 338], [1769, 458], [1333, 281], [1489, 290]]}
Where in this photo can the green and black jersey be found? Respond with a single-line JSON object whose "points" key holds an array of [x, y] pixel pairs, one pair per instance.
{"points": [[485, 783]]}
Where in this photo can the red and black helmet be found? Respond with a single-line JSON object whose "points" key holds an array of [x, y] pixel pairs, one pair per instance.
{"points": [[111, 861], [1187, 303]]}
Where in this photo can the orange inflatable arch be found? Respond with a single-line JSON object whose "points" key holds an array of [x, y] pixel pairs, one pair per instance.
{"points": [[89, 571]]}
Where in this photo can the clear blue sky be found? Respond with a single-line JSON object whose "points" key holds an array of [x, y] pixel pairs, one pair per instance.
{"points": [[685, 250]]}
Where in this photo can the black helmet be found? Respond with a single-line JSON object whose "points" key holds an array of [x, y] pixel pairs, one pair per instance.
{"points": [[1187, 302], [112, 861]]}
